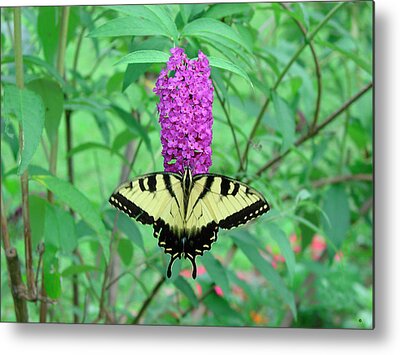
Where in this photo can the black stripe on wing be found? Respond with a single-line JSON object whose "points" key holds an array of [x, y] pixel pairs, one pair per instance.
{"points": [[245, 215], [128, 207], [190, 245]]}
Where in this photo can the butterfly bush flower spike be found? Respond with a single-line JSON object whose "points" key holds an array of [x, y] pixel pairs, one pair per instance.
{"points": [[185, 109]]}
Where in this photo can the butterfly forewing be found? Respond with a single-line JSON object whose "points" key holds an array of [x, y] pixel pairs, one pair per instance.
{"points": [[151, 197], [230, 202]]}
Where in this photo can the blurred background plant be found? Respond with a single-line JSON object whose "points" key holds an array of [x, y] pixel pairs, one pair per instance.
{"points": [[293, 115]]}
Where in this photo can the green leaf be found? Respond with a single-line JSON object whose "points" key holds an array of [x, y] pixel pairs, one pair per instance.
{"points": [[37, 213], [30, 60], [126, 225], [51, 233], [94, 145], [367, 66], [203, 27], [217, 272], [66, 231], [144, 56], [134, 71], [336, 207], [228, 65], [222, 310], [267, 271], [48, 31], [284, 245], [185, 10], [28, 108], [52, 277], [129, 26], [122, 139], [284, 121], [98, 110], [125, 251], [219, 11], [134, 126], [182, 285], [78, 269], [156, 14], [53, 100], [78, 202]]}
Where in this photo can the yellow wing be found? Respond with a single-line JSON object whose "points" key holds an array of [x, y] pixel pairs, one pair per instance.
{"points": [[222, 200], [150, 198]]}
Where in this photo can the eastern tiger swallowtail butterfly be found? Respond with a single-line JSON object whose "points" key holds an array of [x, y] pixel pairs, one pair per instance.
{"points": [[186, 211]]}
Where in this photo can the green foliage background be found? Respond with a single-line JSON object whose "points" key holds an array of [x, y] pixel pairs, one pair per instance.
{"points": [[293, 111]]}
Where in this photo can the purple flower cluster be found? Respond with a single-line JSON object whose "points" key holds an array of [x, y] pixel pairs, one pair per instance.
{"points": [[185, 108]]}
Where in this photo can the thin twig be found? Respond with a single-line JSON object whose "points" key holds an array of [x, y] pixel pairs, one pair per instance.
{"points": [[148, 300], [317, 129], [309, 37], [14, 271], [341, 178], [317, 69]]}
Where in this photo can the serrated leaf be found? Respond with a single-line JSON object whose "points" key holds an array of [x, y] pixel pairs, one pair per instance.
{"points": [[78, 202], [27, 107]]}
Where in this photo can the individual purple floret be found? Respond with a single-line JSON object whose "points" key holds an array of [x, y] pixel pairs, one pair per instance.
{"points": [[185, 108]]}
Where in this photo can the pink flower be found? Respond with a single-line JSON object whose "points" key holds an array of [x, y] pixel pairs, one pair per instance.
{"points": [[185, 108], [318, 246], [199, 289], [338, 256], [218, 291], [295, 243]]}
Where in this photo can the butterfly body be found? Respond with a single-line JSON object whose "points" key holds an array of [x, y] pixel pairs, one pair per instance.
{"points": [[187, 211]]}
